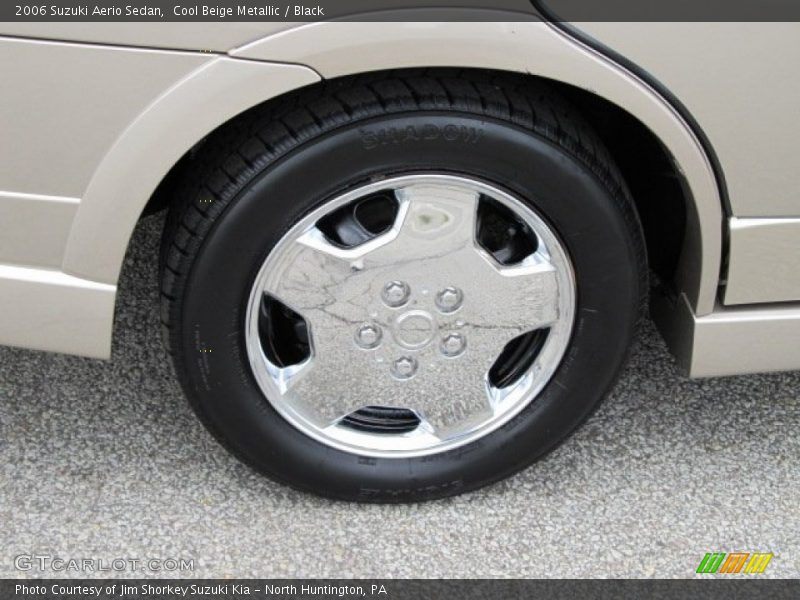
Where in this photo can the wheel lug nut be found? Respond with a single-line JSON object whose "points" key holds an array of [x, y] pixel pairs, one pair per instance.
{"points": [[453, 344], [449, 299], [404, 367], [368, 336], [395, 293]]}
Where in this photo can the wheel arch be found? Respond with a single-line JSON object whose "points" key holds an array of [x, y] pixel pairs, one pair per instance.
{"points": [[543, 50], [154, 143], [142, 157]]}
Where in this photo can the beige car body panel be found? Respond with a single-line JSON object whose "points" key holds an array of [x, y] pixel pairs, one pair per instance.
{"points": [[739, 82], [64, 106], [65, 230], [763, 257], [121, 118], [214, 36], [745, 94]]}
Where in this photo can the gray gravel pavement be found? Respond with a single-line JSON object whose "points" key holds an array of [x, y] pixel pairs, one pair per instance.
{"points": [[106, 460]]}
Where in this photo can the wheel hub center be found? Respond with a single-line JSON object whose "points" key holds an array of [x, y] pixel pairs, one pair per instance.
{"points": [[414, 329]]}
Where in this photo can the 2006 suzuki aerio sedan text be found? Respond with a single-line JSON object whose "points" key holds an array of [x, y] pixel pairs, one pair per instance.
{"points": [[403, 260]]}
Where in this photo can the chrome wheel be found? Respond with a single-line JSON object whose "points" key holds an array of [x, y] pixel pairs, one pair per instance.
{"points": [[410, 316]]}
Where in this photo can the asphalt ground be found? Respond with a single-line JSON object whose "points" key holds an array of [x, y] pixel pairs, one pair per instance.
{"points": [[105, 460]]}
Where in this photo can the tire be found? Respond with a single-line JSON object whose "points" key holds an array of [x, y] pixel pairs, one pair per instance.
{"points": [[256, 178]]}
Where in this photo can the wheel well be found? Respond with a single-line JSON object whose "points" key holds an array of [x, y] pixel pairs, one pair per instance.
{"points": [[652, 176]]}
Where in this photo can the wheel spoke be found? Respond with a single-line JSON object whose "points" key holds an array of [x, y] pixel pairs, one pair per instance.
{"points": [[520, 298], [433, 222], [316, 274], [450, 395], [324, 388]]}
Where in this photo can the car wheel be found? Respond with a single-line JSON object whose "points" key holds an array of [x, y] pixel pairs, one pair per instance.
{"points": [[401, 287]]}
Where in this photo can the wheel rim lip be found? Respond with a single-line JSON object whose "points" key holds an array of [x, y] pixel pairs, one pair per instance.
{"points": [[378, 445]]}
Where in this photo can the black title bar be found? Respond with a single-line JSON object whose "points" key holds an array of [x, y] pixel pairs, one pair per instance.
{"points": [[397, 10]]}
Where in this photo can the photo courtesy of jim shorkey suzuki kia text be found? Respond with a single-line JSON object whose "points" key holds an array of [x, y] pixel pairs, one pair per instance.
{"points": [[217, 11], [192, 590]]}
